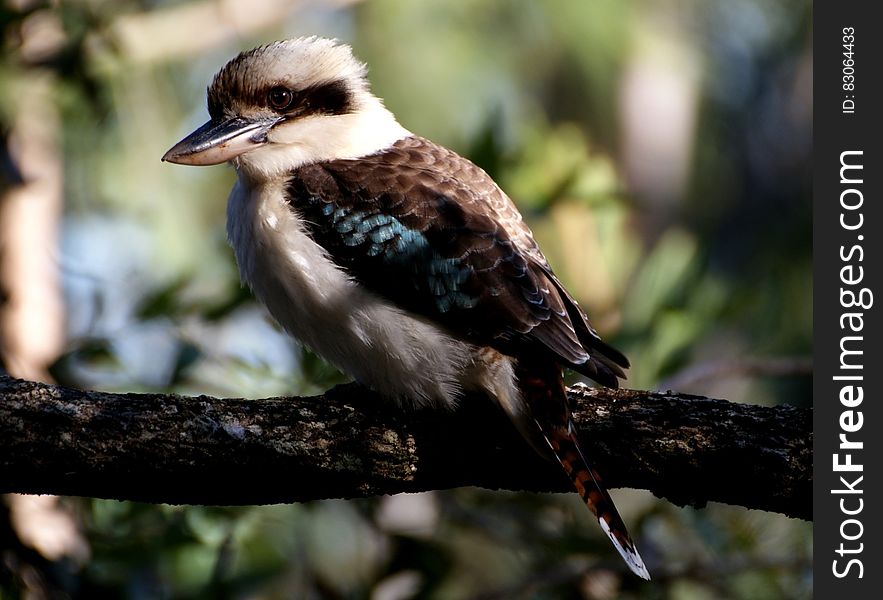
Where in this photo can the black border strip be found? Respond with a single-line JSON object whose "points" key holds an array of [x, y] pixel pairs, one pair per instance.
{"points": [[847, 232]]}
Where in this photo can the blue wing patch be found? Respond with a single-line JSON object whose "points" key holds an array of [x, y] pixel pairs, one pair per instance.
{"points": [[408, 250]]}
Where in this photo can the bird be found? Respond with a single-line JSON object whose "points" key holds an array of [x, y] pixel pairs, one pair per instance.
{"points": [[395, 259]]}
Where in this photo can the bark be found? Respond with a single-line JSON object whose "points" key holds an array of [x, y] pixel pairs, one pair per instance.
{"points": [[350, 443]]}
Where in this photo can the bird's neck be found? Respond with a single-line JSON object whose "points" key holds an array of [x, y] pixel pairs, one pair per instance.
{"points": [[322, 138]]}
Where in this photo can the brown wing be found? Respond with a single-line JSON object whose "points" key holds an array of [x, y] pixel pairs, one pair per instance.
{"points": [[429, 230]]}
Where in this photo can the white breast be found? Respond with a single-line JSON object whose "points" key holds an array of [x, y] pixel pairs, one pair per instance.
{"points": [[396, 353]]}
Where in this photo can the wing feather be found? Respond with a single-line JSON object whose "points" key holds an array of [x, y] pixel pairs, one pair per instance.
{"points": [[431, 231]]}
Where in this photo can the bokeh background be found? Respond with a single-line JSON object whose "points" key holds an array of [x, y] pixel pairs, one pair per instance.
{"points": [[659, 149]]}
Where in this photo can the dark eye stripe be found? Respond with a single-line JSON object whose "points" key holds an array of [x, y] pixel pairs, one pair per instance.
{"points": [[331, 98], [326, 99]]}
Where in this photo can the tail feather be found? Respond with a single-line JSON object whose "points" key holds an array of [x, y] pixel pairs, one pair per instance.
{"points": [[587, 481], [542, 388]]}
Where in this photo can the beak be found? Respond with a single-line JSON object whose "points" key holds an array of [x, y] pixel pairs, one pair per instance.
{"points": [[220, 141]]}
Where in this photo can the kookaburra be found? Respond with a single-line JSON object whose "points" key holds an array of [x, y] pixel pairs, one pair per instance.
{"points": [[395, 259]]}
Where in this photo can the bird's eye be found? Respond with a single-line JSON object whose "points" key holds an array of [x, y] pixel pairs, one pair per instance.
{"points": [[280, 98]]}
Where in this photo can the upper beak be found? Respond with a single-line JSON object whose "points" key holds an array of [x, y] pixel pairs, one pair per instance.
{"points": [[220, 141]]}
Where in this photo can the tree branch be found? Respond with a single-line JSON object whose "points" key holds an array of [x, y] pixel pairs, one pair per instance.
{"points": [[350, 443]]}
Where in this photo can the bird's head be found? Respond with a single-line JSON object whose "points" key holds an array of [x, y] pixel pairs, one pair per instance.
{"points": [[288, 103]]}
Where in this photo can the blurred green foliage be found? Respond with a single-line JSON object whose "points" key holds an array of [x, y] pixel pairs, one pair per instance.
{"points": [[714, 269]]}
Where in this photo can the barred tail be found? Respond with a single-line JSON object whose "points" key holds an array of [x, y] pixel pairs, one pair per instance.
{"points": [[562, 441], [542, 388]]}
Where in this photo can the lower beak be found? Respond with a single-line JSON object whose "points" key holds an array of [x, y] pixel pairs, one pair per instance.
{"points": [[220, 141]]}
